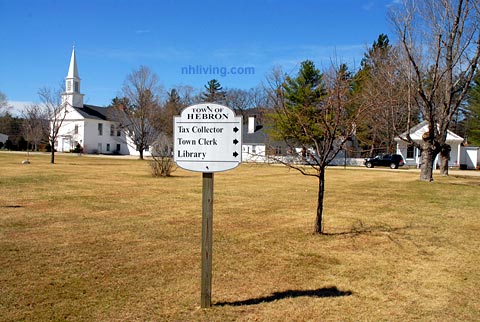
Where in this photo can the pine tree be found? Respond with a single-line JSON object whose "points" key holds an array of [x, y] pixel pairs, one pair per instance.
{"points": [[213, 92], [472, 120], [172, 107]]}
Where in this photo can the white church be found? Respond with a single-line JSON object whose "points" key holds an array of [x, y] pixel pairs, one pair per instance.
{"points": [[88, 126]]}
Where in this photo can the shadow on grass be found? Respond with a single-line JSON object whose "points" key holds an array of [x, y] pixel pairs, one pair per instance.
{"points": [[321, 292], [360, 229]]}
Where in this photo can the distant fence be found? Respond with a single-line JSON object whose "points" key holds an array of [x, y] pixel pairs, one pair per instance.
{"points": [[256, 158], [353, 162]]}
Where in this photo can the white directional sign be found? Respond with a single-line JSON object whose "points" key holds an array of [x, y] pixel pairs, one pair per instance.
{"points": [[207, 138]]}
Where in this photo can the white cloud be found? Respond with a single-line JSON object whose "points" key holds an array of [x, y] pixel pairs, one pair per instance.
{"points": [[17, 107], [368, 6]]}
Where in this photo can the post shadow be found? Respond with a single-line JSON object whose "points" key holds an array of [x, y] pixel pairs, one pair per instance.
{"points": [[321, 292]]}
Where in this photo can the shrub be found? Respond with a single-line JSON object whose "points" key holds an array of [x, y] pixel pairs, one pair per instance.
{"points": [[162, 166], [78, 149]]}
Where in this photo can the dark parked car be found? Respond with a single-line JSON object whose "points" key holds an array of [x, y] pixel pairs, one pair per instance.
{"points": [[387, 160]]}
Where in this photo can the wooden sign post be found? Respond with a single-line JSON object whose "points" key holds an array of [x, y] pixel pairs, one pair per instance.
{"points": [[207, 138], [207, 235]]}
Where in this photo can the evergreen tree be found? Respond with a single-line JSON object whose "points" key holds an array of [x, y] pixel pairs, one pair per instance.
{"points": [[172, 107], [472, 113], [213, 92]]}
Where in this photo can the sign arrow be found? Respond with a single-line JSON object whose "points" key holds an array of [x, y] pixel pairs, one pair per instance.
{"points": [[235, 141], [235, 129], [235, 154]]}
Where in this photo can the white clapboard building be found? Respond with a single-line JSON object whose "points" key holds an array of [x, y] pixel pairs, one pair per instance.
{"points": [[412, 155]]}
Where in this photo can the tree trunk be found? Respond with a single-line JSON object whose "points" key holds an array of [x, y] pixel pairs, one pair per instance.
{"points": [[444, 158], [443, 165], [141, 154], [52, 153], [428, 157], [321, 192]]}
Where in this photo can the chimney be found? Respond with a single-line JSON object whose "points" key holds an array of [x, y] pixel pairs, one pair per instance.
{"points": [[251, 124]]}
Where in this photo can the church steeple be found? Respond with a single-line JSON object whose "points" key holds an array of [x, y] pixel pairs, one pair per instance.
{"points": [[72, 94], [73, 69]]}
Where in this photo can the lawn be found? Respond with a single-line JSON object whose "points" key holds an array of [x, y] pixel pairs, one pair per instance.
{"points": [[99, 239]]}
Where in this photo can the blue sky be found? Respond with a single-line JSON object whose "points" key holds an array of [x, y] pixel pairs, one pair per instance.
{"points": [[114, 37]]}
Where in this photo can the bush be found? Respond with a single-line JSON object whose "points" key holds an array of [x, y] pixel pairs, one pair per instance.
{"points": [[162, 166], [78, 149], [9, 145]]}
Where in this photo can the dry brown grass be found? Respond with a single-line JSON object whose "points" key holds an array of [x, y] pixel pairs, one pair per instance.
{"points": [[91, 239]]}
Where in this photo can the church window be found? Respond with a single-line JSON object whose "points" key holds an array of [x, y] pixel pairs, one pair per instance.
{"points": [[112, 130], [69, 86], [118, 147], [100, 129], [77, 87], [108, 147]]}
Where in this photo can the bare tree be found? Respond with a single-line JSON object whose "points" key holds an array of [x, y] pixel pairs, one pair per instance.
{"points": [[55, 112], [241, 100], [441, 40], [4, 106], [313, 115], [382, 86], [138, 110], [35, 125], [188, 95]]}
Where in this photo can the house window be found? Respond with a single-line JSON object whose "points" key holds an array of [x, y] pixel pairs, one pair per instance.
{"points": [[100, 129], [112, 130], [410, 152], [108, 147], [278, 150], [75, 131]]}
